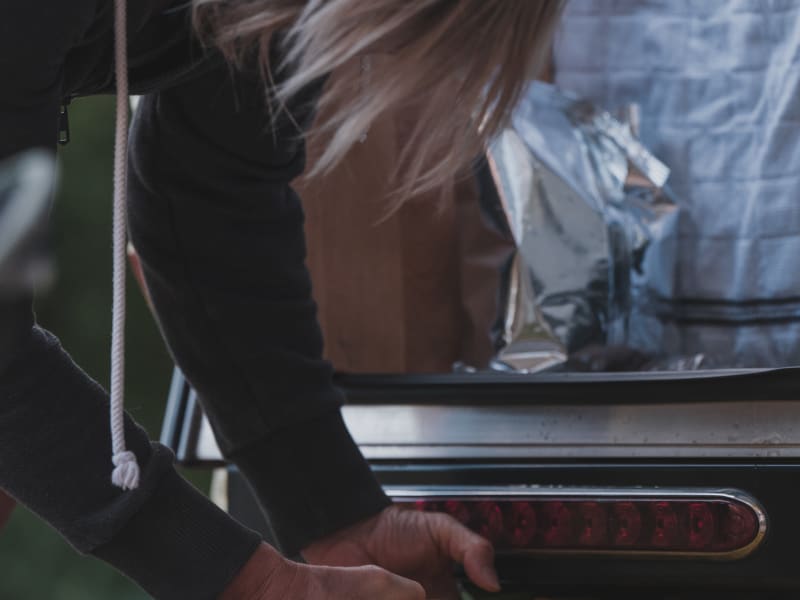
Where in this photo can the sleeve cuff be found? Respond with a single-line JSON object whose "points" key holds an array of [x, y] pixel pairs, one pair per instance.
{"points": [[179, 545], [311, 481]]}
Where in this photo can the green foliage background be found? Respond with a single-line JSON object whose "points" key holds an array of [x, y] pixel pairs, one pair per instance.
{"points": [[36, 563]]}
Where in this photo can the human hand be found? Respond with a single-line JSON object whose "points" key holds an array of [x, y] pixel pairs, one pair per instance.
{"points": [[269, 576], [418, 545]]}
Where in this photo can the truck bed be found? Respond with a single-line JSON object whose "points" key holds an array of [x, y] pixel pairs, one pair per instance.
{"points": [[645, 433]]}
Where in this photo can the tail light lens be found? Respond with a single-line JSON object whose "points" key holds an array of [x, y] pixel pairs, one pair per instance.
{"points": [[489, 521], [558, 529], [666, 529], [593, 524], [521, 524], [626, 524], [702, 525], [718, 527]]}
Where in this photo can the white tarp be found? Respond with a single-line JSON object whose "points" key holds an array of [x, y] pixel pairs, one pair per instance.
{"points": [[717, 82]]}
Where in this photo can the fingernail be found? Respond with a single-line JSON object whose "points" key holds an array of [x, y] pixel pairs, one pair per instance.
{"points": [[491, 576]]}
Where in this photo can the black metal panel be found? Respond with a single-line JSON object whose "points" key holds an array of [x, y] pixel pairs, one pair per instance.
{"points": [[771, 567], [744, 385]]}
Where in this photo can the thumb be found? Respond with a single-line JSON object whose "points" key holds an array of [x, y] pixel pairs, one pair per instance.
{"points": [[468, 548]]}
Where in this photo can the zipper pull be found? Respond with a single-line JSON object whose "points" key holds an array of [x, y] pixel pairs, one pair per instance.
{"points": [[63, 124]]}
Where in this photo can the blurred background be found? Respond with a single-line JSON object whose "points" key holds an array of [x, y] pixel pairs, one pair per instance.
{"points": [[36, 561]]}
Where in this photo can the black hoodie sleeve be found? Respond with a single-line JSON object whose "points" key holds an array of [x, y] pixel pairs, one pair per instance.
{"points": [[220, 234], [55, 444]]}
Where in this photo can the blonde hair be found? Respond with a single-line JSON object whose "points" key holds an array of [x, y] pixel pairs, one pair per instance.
{"points": [[459, 66]]}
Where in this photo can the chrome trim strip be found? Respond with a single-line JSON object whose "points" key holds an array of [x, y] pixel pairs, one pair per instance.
{"points": [[768, 429], [538, 493], [409, 452]]}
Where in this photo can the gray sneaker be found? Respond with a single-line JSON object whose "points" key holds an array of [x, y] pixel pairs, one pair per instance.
{"points": [[26, 191]]}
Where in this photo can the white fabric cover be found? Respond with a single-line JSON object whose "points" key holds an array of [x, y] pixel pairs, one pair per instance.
{"points": [[717, 82]]}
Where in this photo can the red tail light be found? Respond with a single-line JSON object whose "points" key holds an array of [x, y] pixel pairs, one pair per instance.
{"points": [[594, 524], [626, 524], [666, 530], [458, 510], [717, 525], [558, 527], [489, 521], [521, 524], [702, 525]]}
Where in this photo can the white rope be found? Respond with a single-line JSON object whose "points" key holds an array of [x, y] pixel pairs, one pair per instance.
{"points": [[126, 469]]}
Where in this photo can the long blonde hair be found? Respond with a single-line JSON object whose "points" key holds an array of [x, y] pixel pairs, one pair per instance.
{"points": [[459, 66]]}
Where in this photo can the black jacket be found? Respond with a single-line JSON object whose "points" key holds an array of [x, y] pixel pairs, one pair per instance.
{"points": [[220, 234]]}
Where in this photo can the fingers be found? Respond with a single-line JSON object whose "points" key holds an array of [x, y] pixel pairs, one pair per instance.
{"points": [[467, 548], [479, 564], [366, 583], [269, 576], [391, 586]]}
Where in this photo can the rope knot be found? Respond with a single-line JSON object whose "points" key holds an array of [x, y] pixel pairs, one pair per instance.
{"points": [[126, 470]]}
